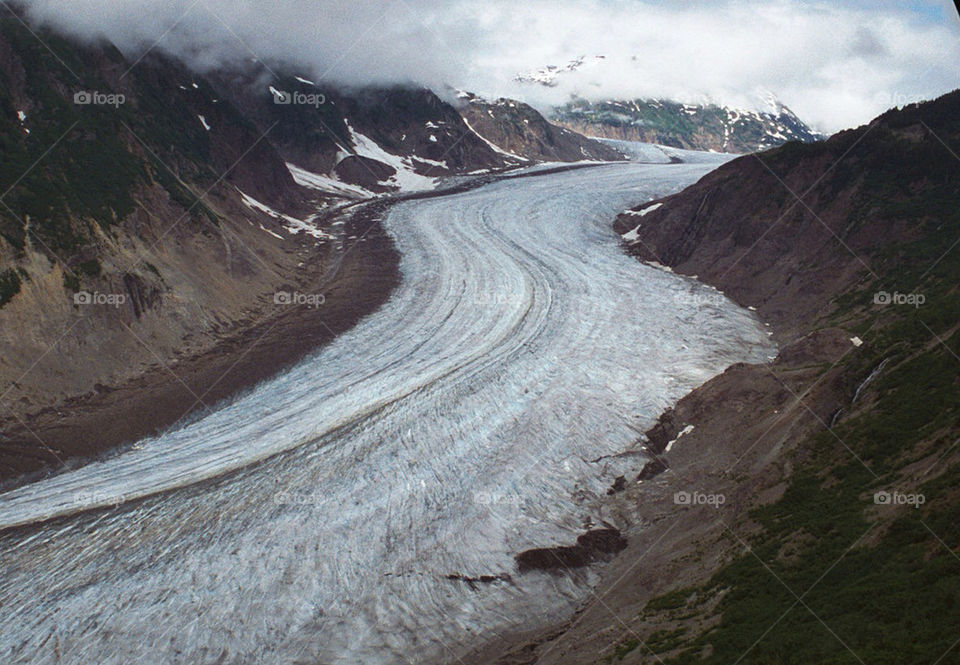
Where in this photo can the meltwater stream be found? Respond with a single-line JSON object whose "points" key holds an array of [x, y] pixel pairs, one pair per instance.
{"points": [[444, 434]]}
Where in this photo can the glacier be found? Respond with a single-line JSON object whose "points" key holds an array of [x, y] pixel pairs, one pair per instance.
{"points": [[320, 516]]}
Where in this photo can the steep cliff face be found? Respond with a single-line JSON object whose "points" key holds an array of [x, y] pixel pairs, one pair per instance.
{"points": [[691, 126], [518, 129]]}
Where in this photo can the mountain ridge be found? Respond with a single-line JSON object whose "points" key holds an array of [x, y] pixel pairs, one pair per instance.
{"points": [[699, 125], [705, 126]]}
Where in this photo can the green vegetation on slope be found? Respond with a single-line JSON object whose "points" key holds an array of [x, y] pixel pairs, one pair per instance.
{"points": [[68, 168], [833, 577], [71, 165]]}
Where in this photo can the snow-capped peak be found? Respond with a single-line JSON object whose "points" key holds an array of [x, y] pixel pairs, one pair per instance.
{"points": [[550, 74]]}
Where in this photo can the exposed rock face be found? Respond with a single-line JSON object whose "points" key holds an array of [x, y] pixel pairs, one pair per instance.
{"points": [[691, 126], [418, 124], [519, 129], [364, 171], [592, 546]]}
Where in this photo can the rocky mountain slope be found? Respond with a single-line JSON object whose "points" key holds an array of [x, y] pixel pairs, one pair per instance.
{"points": [[150, 216], [120, 208], [381, 140], [400, 138], [702, 126], [805, 511], [693, 126], [144, 222], [517, 129]]}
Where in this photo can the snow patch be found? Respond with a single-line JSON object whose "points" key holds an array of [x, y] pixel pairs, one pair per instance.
{"points": [[405, 177], [293, 225], [326, 184], [492, 145], [275, 235], [633, 235], [430, 162], [641, 213], [659, 266], [684, 431]]}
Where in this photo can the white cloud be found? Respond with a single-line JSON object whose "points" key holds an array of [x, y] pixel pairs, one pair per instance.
{"points": [[836, 64]]}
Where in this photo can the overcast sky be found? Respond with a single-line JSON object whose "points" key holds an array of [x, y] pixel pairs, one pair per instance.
{"points": [[837, 64]]}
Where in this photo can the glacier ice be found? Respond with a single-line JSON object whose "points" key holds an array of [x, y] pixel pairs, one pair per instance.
{"points": [[445, 433]]}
